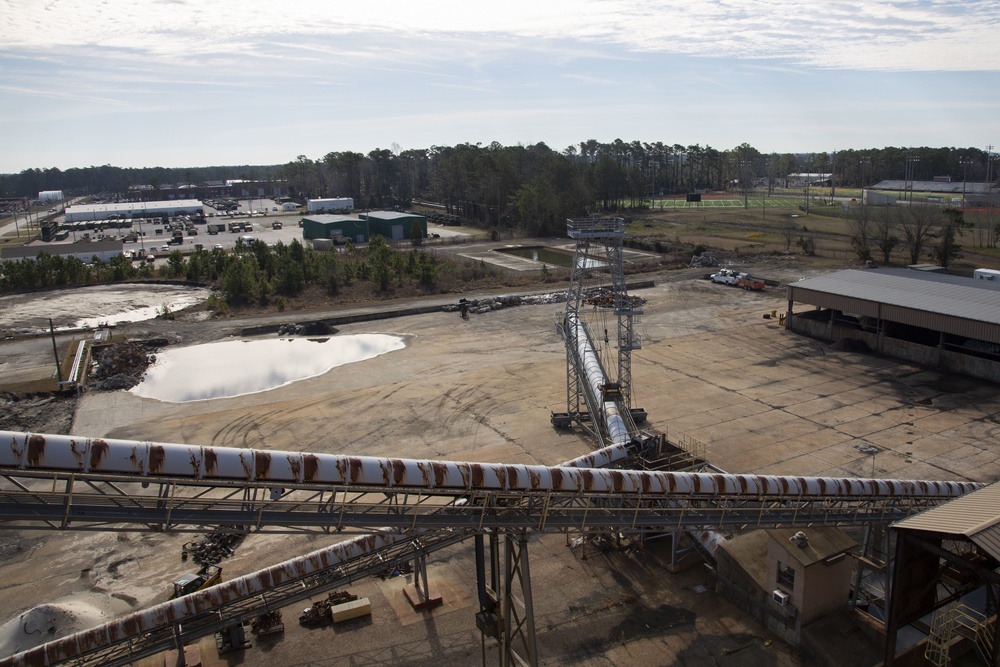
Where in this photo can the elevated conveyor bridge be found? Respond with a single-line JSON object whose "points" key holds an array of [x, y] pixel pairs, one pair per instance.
{"points": [[67, 483]]}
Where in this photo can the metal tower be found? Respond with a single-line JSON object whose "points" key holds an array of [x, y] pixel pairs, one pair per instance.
{"points": [[596, 348]]}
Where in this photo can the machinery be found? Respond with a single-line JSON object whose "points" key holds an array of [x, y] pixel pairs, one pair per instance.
{"points": [[208, 575]]}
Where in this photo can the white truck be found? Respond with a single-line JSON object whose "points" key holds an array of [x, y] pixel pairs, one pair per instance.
{"points": [[725, 276]]}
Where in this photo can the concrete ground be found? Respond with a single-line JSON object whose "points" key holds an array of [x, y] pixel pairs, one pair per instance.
{"points": [[711, 367]]}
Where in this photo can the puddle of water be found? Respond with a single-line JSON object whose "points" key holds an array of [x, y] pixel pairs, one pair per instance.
{"points": [[94, 305], [549, 256], [239, 367]]}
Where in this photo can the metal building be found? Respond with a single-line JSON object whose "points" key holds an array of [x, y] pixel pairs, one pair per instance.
{"points": [[943, 321], [394, 226], [324, 226], [133, 209], [945, 584]]}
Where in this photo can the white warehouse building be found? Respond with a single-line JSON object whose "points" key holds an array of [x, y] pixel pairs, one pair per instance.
{"points": [[133, 209], [335, 205]]}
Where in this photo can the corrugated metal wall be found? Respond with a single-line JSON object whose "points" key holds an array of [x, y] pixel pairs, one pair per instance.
{"points": [[959, 326]]}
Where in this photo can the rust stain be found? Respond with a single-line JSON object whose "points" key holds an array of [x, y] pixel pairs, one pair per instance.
{"points": [[697, 483], [295, 463], [36, 449], [262, 464], [512, 476], [440, 473], [311, 462], [157, 456], [501, 474], [398, 471], [466, 472], [646, 481], [478, 477], [720, 482], [588, 479], [134, 459], [357, 468], [425, 472], [98, 450], [211, 461], [247, 472], [536, 479], [617, 481], [78, 454], [557, 478], [342, 469]]}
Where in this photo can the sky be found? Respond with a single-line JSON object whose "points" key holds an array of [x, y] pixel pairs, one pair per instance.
{"points": [[192, 83]]}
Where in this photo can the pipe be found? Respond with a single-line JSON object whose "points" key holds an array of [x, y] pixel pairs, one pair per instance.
{"points": [[617, 429], [71, 454], [168, 613]]}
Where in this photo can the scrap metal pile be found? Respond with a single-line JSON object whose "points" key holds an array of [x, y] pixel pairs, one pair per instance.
{"points": [[214, 547]]}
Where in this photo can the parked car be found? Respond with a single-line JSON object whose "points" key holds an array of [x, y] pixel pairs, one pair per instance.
{"points": [[164, 248]]}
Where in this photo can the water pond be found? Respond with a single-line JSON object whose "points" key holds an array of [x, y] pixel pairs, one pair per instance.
{"points": [[238, 367]]}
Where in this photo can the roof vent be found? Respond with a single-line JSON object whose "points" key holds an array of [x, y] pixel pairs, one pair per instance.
{"points": [[799, 539]]}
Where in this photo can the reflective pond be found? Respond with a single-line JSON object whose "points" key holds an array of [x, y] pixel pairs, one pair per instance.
{"points": [[549, 256], [238, 367]]}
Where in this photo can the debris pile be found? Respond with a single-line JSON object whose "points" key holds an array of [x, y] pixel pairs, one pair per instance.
{"points": [[604, 297], [703, 260], [601, 296], [214, 547], [266, 624], [318, 328], [398, 571], [122, 365]]}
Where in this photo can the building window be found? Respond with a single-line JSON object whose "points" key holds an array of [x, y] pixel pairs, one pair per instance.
{"points": [[786, 577]]}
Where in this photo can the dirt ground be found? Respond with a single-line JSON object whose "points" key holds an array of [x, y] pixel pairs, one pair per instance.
{"points": [[711, 368]]}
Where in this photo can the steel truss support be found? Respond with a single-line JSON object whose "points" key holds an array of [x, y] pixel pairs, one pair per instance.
{"points": [[517, 613], [506, 611]]}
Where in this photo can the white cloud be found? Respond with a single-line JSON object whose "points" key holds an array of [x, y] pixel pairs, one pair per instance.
{"points": [[855, 34]]}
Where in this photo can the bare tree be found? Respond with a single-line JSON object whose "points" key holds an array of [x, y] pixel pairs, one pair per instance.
{"points": [[884, 231], [862, 231], [919, 224]]}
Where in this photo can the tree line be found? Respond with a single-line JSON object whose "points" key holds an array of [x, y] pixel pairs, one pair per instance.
{"points": [[252, 274], [533, 189]]}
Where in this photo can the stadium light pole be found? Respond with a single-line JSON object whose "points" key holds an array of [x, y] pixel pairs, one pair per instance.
{"points": [[965, 162], [744, 166], [911, 161]]}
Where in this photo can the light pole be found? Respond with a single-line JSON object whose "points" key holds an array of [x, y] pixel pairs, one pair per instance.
{"points": [[767, 191], [744, 166], [965, 162], [911, 160], [864, 162]]}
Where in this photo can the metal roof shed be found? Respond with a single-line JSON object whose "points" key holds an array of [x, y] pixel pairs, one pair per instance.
{"points": [[942, 556], [938, 320]]}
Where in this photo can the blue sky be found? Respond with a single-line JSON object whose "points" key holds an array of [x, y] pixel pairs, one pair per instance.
{"points": [[193, 83]]}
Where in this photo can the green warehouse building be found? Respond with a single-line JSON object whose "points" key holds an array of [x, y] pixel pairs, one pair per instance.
{"points": [[388, 224]]}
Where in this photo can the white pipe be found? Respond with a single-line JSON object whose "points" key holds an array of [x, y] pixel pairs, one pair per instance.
{"points": [[616, 427], [63, 453]]}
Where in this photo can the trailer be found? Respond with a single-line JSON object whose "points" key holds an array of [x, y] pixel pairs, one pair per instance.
{"points": [[986, 274], [748, 282]]}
